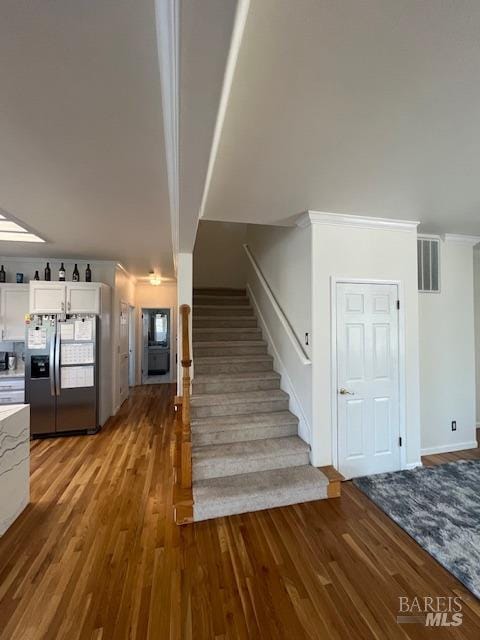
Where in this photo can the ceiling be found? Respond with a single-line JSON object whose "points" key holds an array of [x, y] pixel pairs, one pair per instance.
{"points": [[369, 108], [82, 158]]}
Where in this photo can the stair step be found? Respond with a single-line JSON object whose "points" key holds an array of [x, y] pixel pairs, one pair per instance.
{"points": [[203, 300], [223, 429], [226, 404], [231, 459], [221, 334], [232, 348], [221, 310], [218, 322], [235, 382], [233, 364], [217, 497], [206, 291]]}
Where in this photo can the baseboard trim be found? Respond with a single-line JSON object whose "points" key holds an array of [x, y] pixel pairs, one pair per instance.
{"points": [[286, 385], [413, 465], [449, 448]]}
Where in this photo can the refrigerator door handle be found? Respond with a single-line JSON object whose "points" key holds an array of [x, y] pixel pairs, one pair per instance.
{"points": [[57, 360], [52, 366]]}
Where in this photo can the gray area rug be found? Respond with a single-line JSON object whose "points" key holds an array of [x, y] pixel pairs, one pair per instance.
{"points": [[440, 508]]}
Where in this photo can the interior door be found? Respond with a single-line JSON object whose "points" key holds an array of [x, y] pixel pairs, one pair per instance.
{"points": [[368, 406], [123, 350]]}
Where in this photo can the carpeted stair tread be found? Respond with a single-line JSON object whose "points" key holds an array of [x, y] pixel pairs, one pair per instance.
{"points": [[221, 460], [232, 343], [234, 398], [225, 291], [251, 450], [215, 497], [228, 359], [232, 377], [218, 423]]}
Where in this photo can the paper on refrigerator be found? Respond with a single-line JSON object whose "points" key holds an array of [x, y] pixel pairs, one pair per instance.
{"points": [[37, 338], [84, 329], [75, 377]]}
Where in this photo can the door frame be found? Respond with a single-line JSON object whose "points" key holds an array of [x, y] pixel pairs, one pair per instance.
{"points": [[173, 352], [334, 281], [132, 350]]}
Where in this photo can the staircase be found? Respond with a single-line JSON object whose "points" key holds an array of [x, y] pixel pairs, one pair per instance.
{"points": [[246, 452]]}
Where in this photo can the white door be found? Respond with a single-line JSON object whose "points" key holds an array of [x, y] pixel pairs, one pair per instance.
{"points": [[14, 309], [123, 351], [83, 298], [145, 319], [368, 406], [47, 297]]}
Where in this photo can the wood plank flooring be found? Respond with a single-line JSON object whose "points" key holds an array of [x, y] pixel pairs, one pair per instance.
{"points": [[96, 554]]}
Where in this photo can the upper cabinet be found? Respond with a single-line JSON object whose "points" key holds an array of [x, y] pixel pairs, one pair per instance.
{"points": [[47, 297], [83, 297], [65, 297], [13, 308]]}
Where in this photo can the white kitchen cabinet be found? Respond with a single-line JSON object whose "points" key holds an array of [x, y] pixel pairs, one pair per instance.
{"points": [[65, 297], [47, 297], [13, 308], [83, 297]]}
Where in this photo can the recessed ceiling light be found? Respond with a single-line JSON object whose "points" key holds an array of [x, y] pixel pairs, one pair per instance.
{"points": [[12, 231]]}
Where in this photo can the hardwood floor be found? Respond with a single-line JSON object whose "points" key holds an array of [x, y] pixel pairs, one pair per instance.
{"points": [[96, 554]]}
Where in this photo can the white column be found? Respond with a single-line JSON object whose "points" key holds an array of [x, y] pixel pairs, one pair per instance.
{"points": [[184, 296]]}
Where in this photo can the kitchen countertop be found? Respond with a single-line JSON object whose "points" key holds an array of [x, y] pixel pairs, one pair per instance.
{"points": [[19, 372], [14, 462]]}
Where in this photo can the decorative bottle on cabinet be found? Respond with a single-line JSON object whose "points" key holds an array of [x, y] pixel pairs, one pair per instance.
{"points": [[88, 274], [3, 275], [36, 276], [61, 273], [48, 273], [76, 275]]}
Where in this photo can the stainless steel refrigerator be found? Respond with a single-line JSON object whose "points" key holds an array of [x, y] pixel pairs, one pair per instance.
{"points": [[61, 373]]}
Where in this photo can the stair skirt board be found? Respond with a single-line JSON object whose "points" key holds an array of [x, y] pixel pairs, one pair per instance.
{"points": [[246, 455]]}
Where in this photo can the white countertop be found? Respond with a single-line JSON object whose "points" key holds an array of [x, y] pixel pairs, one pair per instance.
{"points": [[8, 410], [19, 372]]}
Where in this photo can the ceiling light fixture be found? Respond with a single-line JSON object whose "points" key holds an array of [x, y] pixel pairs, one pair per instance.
{"points": [[154, 279], [11, 231]]}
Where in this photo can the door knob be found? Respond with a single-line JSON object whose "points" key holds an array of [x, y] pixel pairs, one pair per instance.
{"points": [[345, 392]]}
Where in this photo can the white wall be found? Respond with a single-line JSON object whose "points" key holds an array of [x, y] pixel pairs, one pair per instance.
{"points": [[102, 270], [476, 292], [447, 354], [124, 291], [149, 296], [366, 253], [283, 256], [218, 257]]}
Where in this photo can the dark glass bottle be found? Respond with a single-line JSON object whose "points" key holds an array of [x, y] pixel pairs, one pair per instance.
{"points": [[76, 275], [36, 276], [88, 274], [61, 273], [3, 275], [48, 273]]}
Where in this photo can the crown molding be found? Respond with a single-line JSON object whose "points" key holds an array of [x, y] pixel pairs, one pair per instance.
{"points": [[167, 18], [461, 239], [362, 222]]}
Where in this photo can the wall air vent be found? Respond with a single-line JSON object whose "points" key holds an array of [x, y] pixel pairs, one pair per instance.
{"points": [[428, 250]]}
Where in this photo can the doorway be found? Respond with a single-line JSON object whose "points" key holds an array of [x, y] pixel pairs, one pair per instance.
{"points": [[156, 341], [123, 351], [368, 378]]}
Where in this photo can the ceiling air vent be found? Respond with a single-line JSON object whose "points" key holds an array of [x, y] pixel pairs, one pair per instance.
{"points": [[428, 264]]}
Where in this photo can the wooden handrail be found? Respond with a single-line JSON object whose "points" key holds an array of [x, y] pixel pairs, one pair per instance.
{"points": [[186, 440]]}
